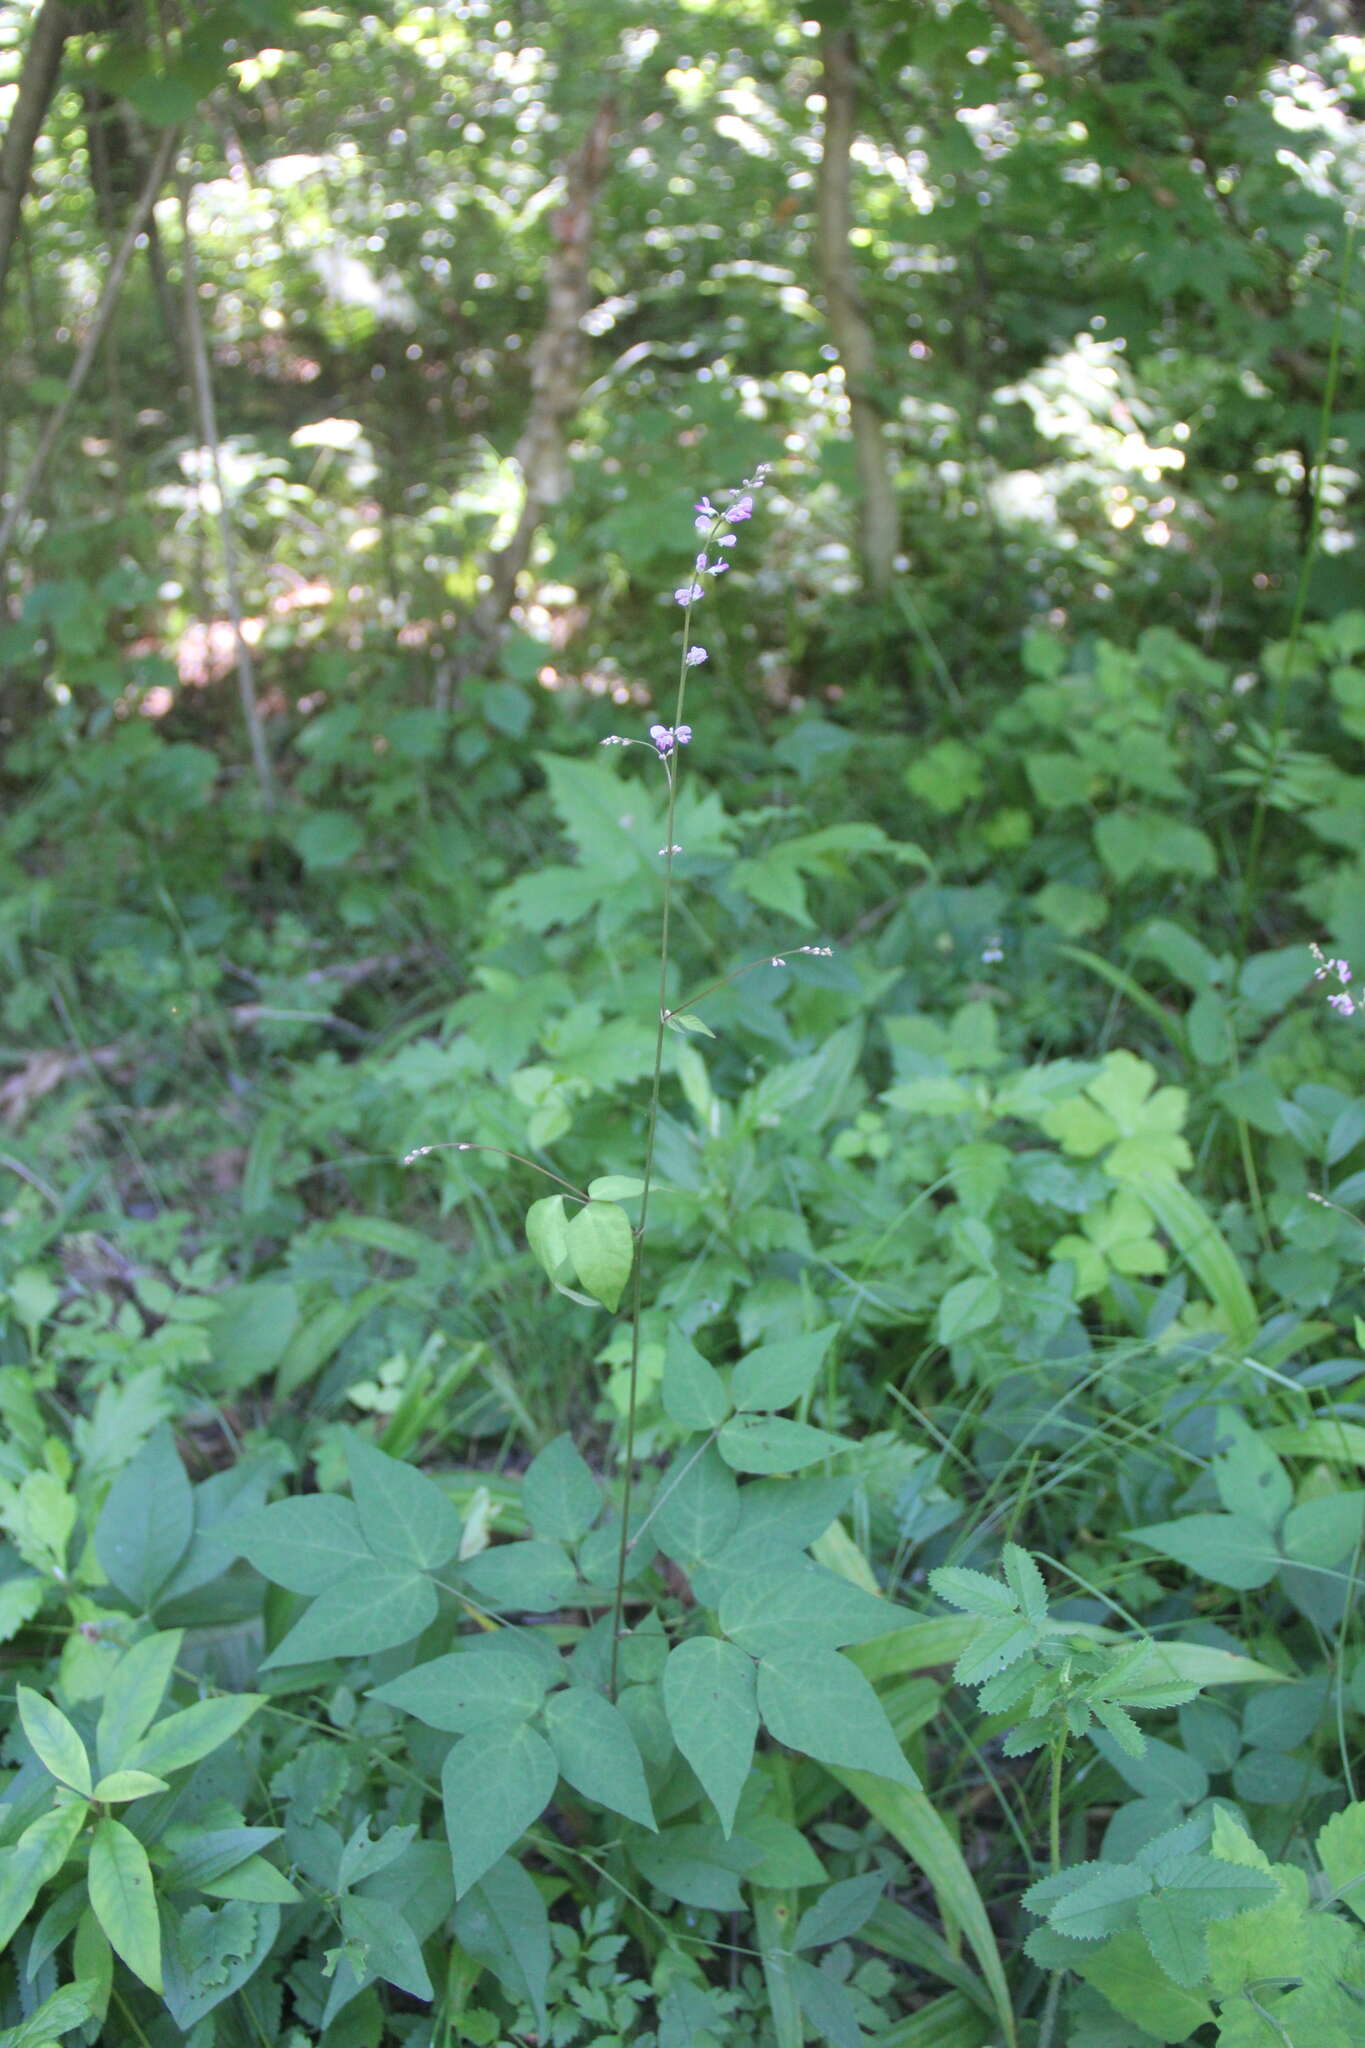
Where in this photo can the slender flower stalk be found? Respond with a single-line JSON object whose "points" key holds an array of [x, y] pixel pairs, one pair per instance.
{"points": [[666, 742]]}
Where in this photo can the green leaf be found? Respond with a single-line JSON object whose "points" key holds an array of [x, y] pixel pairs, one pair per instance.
{"points": [[118, 1786], [403, 1514], [495, 1783], [68, 2008], [34, 1859], [602, 1246], [698, 1509], [208, 1953], [800, 1605], [974, 1592], [146, 1522], [597, 1752], [826, 2004], [910, 1818], [392, 1950], [503, 1923], [709, 1698], [1124, 1971], [55, 1742], [972, 1304], [840, 1911], [1228, 1550], [1104, 1902], [816, 1702], [465, 1690], [1137, 842], [376, 1607], [547, 1233], [997, 1645], [1249, 1477], [196, 1732], [1026, 1582], [526, 1577], [201, 1856], [777, 1374], [1202, 1245], [615, 1187], [1190, 1891], [559, 1493], [123, 1900], [306, 1544], [788, 1862], [694, 1394], [133, 1695], [773, 1443], [695, 1865], [1341, 1852]]}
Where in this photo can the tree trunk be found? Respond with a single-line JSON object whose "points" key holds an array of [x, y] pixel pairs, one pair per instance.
{"points": [[89, 348], [557, 364], [37, 84], [202, 376], [878, 518]]}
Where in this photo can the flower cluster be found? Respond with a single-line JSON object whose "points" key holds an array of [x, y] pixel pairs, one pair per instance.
{"points": [[712, 523], [1340, 971]]}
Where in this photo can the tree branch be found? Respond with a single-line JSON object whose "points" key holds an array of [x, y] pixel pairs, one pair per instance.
{"points": [[37, 84]]}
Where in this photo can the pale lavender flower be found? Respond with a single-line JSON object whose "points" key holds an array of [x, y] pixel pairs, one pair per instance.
{"points": [[1342, 1004], [694, 657], [743, 508], [666, 737], [689, 594]]}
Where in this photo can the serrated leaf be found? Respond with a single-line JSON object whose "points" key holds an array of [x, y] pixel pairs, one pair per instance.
{"points": [[559, 1493], [403, 1514], [998, 1645], [1123, 1971], [1121, 1726], [124, 1902], [462, 1691], [596, 1752], [1102, 1905], [601, 1244], [709, 1698], [495, 1783], [1341, 1852], [1025, 1581], [818, 1703], [974, 1592], [777, 1374], [55, 1742]]}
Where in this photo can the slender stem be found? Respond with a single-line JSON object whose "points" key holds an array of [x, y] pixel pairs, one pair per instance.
{"points": [[672, 768], [1054, 1806], [461, 1145]]}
